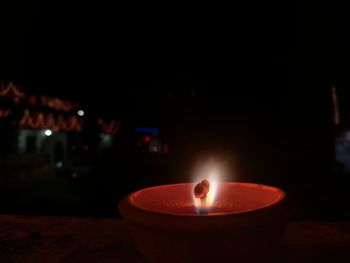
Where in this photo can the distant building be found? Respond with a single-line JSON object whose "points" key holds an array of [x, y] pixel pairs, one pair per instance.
{"points": [[52, 127]]}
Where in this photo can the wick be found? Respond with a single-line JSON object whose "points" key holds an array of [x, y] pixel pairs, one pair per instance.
{"points": [[200, 191], [203, 209]]}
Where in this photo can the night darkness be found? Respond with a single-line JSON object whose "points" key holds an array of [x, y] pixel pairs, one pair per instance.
{"points": [[256, 80], [161, 88]]}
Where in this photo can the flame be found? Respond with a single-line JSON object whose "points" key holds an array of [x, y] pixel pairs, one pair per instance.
{"points": [[213, 180]]}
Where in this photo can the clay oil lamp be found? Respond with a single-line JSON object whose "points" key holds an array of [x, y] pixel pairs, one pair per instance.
{"points": [[207, 221]]}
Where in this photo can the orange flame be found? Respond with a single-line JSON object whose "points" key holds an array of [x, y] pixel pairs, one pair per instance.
{"points": [[213, 180]]}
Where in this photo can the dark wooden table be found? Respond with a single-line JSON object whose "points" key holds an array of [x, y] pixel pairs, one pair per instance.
{"points": [[59, 239]]}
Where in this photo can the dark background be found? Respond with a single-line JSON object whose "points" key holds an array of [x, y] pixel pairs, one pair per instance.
{"points": [[250, 83]]}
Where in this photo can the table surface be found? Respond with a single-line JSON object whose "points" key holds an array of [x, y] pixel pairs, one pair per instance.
{"points": [[62, 239]]}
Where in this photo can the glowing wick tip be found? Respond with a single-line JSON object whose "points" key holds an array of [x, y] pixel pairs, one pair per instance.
{"points": [[200, 191]]}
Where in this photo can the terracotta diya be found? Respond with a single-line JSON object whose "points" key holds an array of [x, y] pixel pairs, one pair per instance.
{"points": [[243, 222]]}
